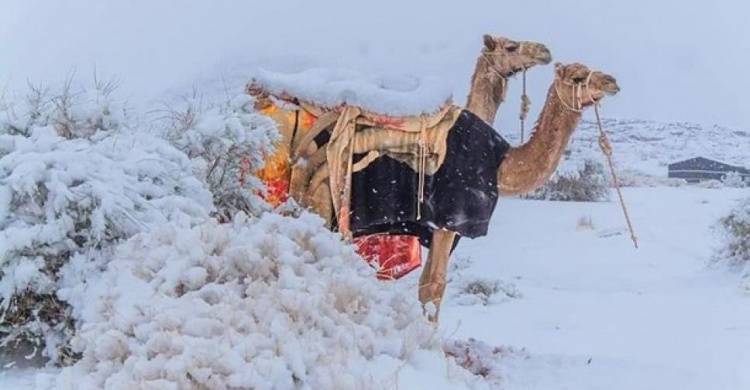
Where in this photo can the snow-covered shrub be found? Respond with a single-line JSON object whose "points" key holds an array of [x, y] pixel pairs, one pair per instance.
{"points": [[478, 291], [710, 184], [226, 142], [483, 360], [258, 303], [74, 112], [585, 223], [735, 180], [633, 178], [459, 262], [483, 291], [735, 229], [75, 180], [588, 184]]}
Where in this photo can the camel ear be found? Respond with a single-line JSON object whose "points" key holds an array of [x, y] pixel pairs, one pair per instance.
{"points": [[559, 69], [489, 42]]}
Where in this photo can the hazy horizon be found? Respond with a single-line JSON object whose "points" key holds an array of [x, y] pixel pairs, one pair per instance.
{"points": [[675, 61]]}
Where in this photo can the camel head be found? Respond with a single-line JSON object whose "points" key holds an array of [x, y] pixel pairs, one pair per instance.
{"points": [[509, 57], [579, 87]]}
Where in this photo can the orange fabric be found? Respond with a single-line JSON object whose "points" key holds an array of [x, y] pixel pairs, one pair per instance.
{"points": [[277, 173]]}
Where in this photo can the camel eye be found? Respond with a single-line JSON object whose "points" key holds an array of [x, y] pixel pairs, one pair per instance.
{"points": [[578, 79], [511, 48]]}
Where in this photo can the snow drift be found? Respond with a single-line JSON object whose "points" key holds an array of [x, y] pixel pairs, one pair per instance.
{"points": [[266, 303]]}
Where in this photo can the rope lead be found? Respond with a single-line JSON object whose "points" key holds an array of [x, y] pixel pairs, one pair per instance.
{"points": [[525, 105], [606, 148]]}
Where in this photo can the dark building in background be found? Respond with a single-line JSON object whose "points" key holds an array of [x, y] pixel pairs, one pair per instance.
{"points": [[700, 168]]}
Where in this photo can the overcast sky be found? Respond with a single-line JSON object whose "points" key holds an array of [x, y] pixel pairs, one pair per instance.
{"points": [[675, 60]]}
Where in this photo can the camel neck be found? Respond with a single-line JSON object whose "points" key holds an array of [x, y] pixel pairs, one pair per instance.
{"points": [[556, 123], [528, 166], [488, 89]]}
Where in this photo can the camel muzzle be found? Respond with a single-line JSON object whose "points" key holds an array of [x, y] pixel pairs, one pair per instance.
{"points": [[609, 85], [544, 56]]}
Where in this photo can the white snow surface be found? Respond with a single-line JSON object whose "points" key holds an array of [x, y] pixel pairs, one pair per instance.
{"points": [[388, 94], [591, 311], [595, 313]]}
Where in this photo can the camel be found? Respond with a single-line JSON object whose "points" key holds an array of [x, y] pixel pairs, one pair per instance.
{"points": [[527, 166], [500, 59], [523, 168]]}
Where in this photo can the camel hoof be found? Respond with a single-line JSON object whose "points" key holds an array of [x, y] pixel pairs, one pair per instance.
{"points": [[431, 310], [431, 295]]}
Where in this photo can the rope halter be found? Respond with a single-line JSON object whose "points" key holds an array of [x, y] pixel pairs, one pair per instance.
{"points": [[525, 101], [503, 78], [578, 88]]}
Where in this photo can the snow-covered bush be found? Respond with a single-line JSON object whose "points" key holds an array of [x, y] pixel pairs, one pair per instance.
{"points": [[634, 178], [226, 142], [585, 223], [74, 112], [588, 184], [483, 360], [712, 184], [735, 180], [258, 303], [75, 180], [735, 229], [483, 291]]}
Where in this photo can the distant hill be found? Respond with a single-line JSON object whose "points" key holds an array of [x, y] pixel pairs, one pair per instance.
{"points": [[647, 147]]}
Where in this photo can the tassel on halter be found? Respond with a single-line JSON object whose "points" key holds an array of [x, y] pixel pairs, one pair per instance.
{"points": [[525, 106], [525, 101]]}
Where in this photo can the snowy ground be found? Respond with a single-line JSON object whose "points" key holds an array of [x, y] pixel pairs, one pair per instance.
{"points": [[17, 379], [593, 312], [596, 313]]}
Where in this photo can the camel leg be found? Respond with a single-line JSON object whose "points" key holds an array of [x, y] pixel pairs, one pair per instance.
{"points": [[433, 278]]}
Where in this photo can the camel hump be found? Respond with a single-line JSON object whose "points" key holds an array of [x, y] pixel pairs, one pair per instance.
{"points": [[385, 94]]}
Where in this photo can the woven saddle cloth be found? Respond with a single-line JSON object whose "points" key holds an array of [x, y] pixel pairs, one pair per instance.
{"points": [[417, 140]]}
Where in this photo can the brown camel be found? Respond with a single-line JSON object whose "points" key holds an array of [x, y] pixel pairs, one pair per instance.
{"points": [[528, 166], [500, 59]]}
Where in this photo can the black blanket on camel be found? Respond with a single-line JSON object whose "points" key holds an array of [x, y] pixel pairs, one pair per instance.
{"points": [[460, 196]]}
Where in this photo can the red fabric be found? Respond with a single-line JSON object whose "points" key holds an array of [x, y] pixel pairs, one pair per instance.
{"points": [[394, 256], [277, 191]]}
